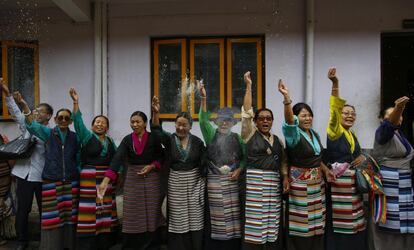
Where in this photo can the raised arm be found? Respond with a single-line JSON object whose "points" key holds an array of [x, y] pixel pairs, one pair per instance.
{"points": [[247, 101], [25, 108], [335, 83], [287, 102], [155, 109], [13, 107], [206, 128], [75, 98], [398, 110], [247, 116], [82, 131]]}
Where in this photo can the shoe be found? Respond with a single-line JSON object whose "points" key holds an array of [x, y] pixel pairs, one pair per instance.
{"points": [[21, 246]]}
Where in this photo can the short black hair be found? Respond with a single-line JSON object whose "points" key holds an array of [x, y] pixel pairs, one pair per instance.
{"points": [[349, 105], [49, 109], [257, 113], [299, 106], [63, 109], [140, 114], [96, 117], [185, 115]]}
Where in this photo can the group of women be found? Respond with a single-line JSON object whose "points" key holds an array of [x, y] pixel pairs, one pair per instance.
{"points": [[247, 191]]}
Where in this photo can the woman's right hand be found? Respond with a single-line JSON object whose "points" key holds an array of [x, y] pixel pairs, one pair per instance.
{"points": [[155, 105], [74, 95], [100, 193], [283, 89], [332, 75]]}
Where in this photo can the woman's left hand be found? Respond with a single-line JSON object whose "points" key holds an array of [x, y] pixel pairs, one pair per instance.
{"points": [[146, 170], [235, 174]]}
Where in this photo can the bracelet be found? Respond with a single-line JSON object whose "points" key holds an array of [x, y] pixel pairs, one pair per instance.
{"points": [[335, 88], [287, 103], [203, 97], [28, 113], [75, 102]]}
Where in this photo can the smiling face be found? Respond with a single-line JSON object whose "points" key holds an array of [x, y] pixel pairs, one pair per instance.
{"points": [[305, 119], [63, 119], [41, 115], [100, 125], [137, 124], [224, 125], [348, 117], [264, 122], [182, 127]]}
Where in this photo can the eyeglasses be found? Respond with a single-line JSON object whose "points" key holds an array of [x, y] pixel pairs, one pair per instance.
{"points": [[63, 118], [352, 114], [264, 118]]}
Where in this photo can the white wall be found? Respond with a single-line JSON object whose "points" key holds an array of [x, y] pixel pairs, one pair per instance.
{"points": [[66, 60]]}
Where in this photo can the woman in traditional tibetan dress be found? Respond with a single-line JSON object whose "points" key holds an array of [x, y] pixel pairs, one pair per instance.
{"points": [[225, 161], [307, 186], [141, 153], [97, 218], [5, 182], [60, 176], [266, 170], [394, 153], [186, 185], [347, 222]]}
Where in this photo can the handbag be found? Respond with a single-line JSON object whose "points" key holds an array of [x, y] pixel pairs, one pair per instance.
{"points": [[365, 173], [19, 148]]}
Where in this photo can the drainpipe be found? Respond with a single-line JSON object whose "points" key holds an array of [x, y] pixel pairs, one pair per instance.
{"points": [[310, 38], [101, 64]]}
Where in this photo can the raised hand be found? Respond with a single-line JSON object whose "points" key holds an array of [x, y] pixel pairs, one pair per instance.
{"points": [[4, 87], [401, 102], [74, 95], [247, 78], [282, 88], [332, 75], [155, 104], [201, 89], [18, 97]]}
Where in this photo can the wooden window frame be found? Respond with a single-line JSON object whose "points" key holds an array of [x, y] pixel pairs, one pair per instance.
{"points": [[187, 53], [183, 43], [259, 82], [220, 42], [4, 46]]}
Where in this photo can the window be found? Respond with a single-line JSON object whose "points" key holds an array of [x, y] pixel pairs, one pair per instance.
{"points": [[19, 68], [220, 62]]}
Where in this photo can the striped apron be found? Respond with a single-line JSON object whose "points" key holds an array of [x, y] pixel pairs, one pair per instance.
{"points": [[94, 216], [306, 202], [263, 206], [185, 201], [142, 201], [59, 204], [400, 205], [224, 202], [347, 204]]}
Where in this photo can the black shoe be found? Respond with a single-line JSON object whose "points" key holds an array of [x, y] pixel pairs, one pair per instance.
{"points": [[21, 246]]}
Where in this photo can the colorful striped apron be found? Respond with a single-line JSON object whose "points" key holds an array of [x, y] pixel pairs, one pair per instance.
{"points": [[347, 204], [400, 205], [306, 202], [95, 216], [142, 201], [263, 206], [59, 204], [185, 201], [224, 202]]}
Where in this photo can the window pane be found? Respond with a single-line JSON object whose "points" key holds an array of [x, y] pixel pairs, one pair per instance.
{"points": [[207, 67], [243, 58], [20, 67], [169, 75]]}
